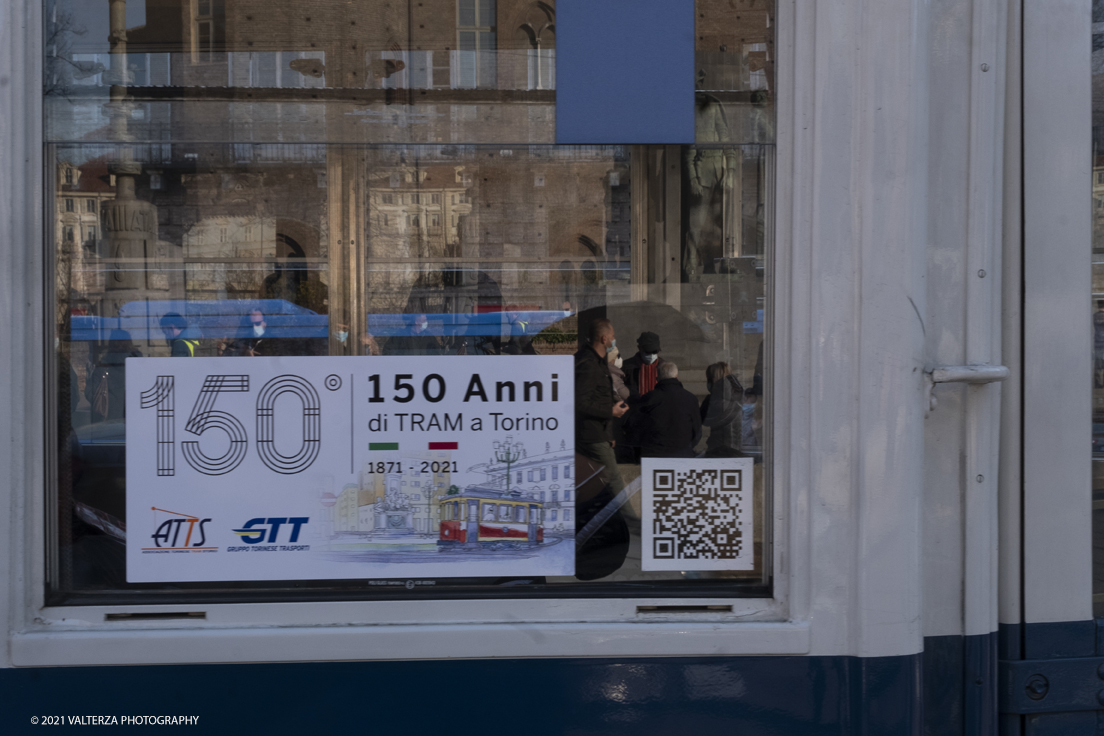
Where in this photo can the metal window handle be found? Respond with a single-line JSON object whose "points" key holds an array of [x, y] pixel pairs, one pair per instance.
{"points": [[976, 374]]}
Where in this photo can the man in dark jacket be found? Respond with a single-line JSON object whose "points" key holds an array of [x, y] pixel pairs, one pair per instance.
{"points": [[595, 408], [177, 334], [669, 418], [642, 370]]}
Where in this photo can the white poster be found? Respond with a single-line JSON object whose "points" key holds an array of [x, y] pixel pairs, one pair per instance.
{"points": [[697, 514], [273, 468]]}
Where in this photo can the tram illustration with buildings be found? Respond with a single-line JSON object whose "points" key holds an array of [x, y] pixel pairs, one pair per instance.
{"points": [[486, 517]]}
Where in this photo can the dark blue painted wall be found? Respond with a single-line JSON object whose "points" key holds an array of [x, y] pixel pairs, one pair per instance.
{"points": [[625, 71], [634, 697], [948, 690]]}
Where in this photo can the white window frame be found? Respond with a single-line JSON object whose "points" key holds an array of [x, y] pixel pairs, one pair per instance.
{"points": [[1052, 556], [845, 520]]}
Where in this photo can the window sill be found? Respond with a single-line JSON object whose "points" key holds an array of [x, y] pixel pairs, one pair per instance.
{"points": [[126, 644]]}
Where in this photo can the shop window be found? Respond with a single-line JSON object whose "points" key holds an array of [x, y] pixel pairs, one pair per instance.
{"points": [[241, 253]]}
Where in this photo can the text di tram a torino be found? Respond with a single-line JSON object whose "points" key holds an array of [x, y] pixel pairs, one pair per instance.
{"points": [[497, 392]]}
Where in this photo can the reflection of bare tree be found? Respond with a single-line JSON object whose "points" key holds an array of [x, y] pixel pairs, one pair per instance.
{"points": [[60, 69]]}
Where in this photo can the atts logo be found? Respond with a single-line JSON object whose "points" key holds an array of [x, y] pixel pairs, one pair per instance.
{"points": [[260, 530], [183, 533]]}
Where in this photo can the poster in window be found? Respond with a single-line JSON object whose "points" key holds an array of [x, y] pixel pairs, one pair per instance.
{"points": [[308, 468]]}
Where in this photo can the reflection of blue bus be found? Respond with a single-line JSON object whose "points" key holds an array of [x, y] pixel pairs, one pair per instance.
{"points": [[229, 318], [467, 324], [215, 319]]}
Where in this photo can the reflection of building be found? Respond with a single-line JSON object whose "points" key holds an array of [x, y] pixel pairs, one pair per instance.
{"points": [[548, 477], [78, 227]]}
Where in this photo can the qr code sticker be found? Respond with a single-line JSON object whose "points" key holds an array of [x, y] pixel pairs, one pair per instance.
{"points": [[697, 514]]}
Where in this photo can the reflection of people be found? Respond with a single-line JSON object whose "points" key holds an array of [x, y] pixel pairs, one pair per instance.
{"points": [[595, 408], [669, 419], [175, 328], [105, 388], [1098, 343], [367, 340], [613, 360], [722, 411], [259, 342], [418, 341], [642, 370]]}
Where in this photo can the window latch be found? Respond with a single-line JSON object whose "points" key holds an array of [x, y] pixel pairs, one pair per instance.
{"points": [[974, 374]]}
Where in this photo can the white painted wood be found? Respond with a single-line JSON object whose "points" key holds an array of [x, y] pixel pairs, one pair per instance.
{"points": [[944, 427], [1010, 483], [983, 305], [857, 239], [21, 303], [1057, 379], [322, 644]]}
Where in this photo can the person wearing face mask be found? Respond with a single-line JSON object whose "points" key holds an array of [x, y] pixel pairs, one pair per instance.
{"points": [[596, 408], [596, 405], [621, 445], [368, 343], [613, 360], [418, 341], [642, 370], [257, 340]]}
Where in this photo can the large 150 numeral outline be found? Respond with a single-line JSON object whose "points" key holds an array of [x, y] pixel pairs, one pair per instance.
{"points": [[266, 427], [203, 417], [161, 396]]}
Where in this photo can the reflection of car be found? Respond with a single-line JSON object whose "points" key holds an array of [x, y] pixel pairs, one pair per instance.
{"points": [[212, 319], [102, 444]]}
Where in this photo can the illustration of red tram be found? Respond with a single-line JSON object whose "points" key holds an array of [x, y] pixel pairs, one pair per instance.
{"points": [[484, 517]]}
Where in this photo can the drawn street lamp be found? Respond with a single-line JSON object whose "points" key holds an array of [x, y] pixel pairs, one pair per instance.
{"points": [[509, 453]]}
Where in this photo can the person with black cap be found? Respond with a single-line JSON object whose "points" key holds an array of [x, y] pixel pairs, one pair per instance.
{"points": [[642, 370], [181, 342]]}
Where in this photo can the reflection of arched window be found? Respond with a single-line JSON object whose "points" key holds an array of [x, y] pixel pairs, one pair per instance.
{"points": [[290, 272], [541, 32], [565, 281], [590, 273]]}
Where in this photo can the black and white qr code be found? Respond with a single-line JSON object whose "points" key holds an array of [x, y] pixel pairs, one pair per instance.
{"points": [[697, 514]]}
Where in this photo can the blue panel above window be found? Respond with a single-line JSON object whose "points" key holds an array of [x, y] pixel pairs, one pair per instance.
{"points": [[625, 71]]}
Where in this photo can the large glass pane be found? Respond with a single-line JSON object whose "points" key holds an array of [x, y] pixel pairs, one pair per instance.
{"points": [[315, 181], [1097, 305]]}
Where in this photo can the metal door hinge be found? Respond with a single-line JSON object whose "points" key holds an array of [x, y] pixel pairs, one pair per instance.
{"points": [[1051, 685]]}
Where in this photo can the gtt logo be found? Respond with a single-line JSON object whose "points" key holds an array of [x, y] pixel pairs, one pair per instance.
{"points": [[254, 530]]}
